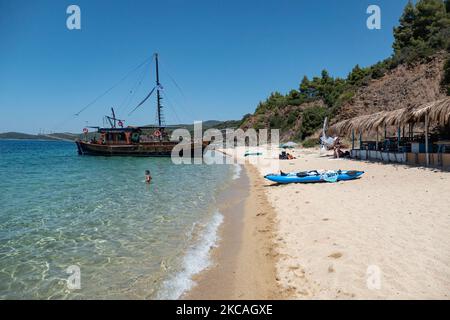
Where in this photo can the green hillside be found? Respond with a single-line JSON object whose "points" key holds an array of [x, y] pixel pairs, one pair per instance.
{"points": [[423, 31]]}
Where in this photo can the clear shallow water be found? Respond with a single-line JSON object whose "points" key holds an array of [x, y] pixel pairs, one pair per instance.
{"points": [[130, 240]]}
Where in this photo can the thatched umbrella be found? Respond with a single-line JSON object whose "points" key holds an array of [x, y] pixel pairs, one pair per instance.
{"points": [[338, 128], [373, 121], [357, 124], [394, 118], [437, 111]]}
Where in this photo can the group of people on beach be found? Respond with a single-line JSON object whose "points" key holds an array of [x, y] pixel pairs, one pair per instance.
{"points": [[286, 156]]}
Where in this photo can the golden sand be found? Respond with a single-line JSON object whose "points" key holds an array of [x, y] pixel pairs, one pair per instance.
{"points": [[384, 236]]}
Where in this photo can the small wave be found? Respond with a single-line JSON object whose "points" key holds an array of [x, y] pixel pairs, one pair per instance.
{"points": [[237, 171], [197, 258]]}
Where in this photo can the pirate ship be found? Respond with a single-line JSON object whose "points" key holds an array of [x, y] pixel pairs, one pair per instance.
{"points": [[144, 141]]}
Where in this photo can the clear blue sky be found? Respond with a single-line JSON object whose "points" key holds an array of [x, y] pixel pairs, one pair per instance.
{"points": [[225, 55]]}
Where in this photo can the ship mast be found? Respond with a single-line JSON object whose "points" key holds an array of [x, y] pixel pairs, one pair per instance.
{"points": [[158, 89], [158, 94]]}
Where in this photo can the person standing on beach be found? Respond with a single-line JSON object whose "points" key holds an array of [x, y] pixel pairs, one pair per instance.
{"points": [[148, 177]]}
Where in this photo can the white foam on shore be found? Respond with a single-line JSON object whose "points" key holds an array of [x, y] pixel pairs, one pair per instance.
{"points": [[196, 259], [237, 172]]}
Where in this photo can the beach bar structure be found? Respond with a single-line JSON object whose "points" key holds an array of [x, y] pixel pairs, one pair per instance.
{"points": [[416, 135]]}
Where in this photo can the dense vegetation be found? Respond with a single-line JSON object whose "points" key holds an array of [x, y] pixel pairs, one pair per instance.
{"points": [[423, 30]]}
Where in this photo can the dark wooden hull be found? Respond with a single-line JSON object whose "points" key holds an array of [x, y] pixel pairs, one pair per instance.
{"points": [[151, 149]]}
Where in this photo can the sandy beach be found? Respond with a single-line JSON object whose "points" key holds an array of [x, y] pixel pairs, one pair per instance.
{"points": [[385, 236], [245, 260]]}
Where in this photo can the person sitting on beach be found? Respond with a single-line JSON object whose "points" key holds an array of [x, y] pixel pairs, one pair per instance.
{"points": [[283, 155], [290, 157], [148, 177], [337, 152]]}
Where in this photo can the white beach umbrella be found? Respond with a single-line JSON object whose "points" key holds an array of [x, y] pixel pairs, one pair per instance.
{"points": [[289, 145]]}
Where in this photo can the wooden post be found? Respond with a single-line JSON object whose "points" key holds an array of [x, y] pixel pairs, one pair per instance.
{"points": [[427, 154], [360, 141], [376, 147], [377, 140], [398, 138], [385, 143], [353, 139]]}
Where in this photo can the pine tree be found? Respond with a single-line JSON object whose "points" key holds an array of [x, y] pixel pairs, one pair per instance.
{"points": [[325, 76], [306, 89], [424, 30], [293, 94], [304, 85], [440, 27], [446, 77], [356, 75], [403, 34], [431, 17]]}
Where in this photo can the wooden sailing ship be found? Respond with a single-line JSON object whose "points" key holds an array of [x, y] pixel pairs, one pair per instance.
{"points": [[144, 141]]}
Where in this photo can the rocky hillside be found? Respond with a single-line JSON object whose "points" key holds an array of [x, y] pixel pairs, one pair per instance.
{"points": [[403, 86], [417, 72]]}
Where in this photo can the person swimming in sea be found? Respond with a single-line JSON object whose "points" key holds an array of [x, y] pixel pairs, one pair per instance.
{"points": [[148, 177]]}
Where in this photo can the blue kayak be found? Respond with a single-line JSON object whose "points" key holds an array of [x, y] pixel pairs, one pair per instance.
{"points": [[314, 176]]}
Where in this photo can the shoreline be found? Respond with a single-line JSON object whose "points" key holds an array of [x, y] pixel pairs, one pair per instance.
{"points": [[244, 261], [384, 236]]}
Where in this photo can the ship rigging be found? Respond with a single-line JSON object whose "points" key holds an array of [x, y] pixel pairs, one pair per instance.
{"points": [[118, 140]]}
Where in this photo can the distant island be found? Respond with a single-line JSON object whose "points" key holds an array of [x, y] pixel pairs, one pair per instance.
{"points": [[67, 136], [49, 137]]}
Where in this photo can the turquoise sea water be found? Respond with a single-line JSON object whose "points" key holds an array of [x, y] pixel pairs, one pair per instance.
{"points": [[130, 240]]}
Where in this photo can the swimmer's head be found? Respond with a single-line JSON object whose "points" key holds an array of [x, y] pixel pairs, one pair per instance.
{"points": [[147, 172]]}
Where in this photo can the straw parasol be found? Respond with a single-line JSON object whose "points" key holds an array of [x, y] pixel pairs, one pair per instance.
{"points": [[437, 112]]}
